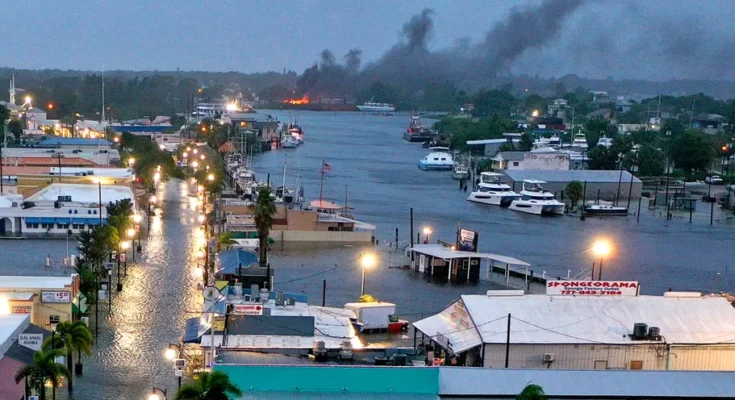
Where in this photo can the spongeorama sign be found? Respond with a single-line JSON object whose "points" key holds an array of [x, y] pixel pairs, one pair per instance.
{"points": [[592, 288]]}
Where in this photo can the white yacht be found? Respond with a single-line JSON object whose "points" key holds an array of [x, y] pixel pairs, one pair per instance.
{"points": [[492, 190], [437, 159], [536, 200], [372, 107], [580, 141]]}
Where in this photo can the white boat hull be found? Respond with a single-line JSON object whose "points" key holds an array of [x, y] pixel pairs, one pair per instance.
{"points": [[538, 207], [491, 198]]}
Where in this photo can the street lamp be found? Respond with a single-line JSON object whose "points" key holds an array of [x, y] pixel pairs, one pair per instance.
{"points": [[210, 177], [155, 396], [195, 151], [195, 164], [131, 161], [427, 232], [367, 261], [600, 248], [156, 177], [131, 233], [202, 157], [201, 218]]}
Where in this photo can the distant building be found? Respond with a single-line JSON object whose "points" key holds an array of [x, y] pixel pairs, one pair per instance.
{"points": [[558, 105], [520, 160], [491, 146], [49, 300], [35, 119], [56, 142], [600, 97], [710, 123], [576, 331], [608, 184], [626, 129], [603, 113], [264, 126]]}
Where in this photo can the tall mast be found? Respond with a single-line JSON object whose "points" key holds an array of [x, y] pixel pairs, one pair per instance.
{"points": [[103, 95]]}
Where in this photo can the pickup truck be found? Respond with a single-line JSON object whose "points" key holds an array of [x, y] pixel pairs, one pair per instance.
{"points": [[714, 180]]}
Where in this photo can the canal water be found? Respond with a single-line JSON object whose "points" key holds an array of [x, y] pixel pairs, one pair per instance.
{"points": [[377, 170]]}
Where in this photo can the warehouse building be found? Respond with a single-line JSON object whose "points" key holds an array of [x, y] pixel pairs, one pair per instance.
{"points": [[507, 329], [605, 184]]}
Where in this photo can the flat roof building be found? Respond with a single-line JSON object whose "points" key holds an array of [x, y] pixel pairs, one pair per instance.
{"points": [[609, 184], [48, 300]]}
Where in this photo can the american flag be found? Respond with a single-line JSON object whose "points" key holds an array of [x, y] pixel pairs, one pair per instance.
{"points": [[326, 166]]}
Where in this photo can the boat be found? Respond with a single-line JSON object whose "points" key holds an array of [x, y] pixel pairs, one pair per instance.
{"points": [[492, 190], [594, 210], [289, 142], [460, 171], [416, 132], [537, 200], [580, 141], [438, 159], [378, 108]]}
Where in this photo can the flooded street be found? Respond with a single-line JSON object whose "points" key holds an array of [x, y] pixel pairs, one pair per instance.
{"points": [[376, 170]]}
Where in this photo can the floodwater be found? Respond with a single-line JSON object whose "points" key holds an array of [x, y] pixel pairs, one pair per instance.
{"points": [[378, 172]]}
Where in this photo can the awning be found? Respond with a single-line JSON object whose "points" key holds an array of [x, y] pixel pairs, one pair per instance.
{"points": [[79, 305], [33, 220], [192, 332], [63, 220], [92, 221], [47, 220], [80, 221]]}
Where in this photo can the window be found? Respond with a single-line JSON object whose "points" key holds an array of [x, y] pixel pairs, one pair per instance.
{"points": [[75, 211], [94, 211], [31, 226], [89, 211], [600, 364], [69, 211], [47, 226], [515, 163], [54, 319], [636, 365]]}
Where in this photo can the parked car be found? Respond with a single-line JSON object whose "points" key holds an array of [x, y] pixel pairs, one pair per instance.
{"points": [[714, 180]]}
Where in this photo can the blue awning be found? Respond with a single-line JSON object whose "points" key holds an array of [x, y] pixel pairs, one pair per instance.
{"points": [[92, 221], [63, 220], [79, 221], [33, 220], [192, 331], [47, 220]]}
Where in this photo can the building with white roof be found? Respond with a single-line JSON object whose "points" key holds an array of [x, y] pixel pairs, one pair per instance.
{"points": [[11, 326], [48, 300], [87, 194], [683, 331]]}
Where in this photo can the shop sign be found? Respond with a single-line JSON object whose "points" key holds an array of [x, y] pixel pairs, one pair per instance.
{"points": [[56, 297], [248, 309], [18, 309], [592, 288], [218, 323], [32, 341], [468, 240]]}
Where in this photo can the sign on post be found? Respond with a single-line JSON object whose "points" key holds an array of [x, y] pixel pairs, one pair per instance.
{"points": [[468, 240], [123, 257], [32, 341], [592, 288], [218, 323], [248, 309], [63, 296]]}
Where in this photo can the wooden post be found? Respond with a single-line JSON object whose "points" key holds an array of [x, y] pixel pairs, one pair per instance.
{"points": [[324, 293], [711, 210], [411, 237], [638, 215]]}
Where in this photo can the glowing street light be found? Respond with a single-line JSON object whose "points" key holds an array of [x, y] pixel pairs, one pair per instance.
{"points": [[201, 218], [155, 396], [210, 177], [156, 177], [162, 146], [195, 164], [198, 272], [427, 233], [137, 218], [202, 157], [188, 148], [600, 248], [195, 151], [367, 261], [154, 199], [126, 245], [200, 254], [131, 161], [170, 353], [131, 233], [185, 155]]}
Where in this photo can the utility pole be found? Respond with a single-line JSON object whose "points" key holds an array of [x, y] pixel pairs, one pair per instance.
{"points": [[103, 94]]}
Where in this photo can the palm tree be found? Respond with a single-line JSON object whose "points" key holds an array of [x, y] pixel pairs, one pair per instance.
{"points": [[72, 336], [532, 392], [209, 386], [263, 211], [226, 241], [43, 369]]}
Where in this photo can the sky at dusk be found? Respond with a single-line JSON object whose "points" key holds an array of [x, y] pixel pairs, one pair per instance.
{"points": [[600, 38]]}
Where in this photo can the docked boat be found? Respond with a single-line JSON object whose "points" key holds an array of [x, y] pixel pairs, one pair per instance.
{"points": [[580, 141], [594, 210], [378, 108], [537, 200], [492, 190], [460, 171], [438, 159], [289, 142], [416, 132]]}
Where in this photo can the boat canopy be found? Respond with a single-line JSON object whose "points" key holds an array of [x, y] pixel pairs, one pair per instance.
{"points": [[439, 251]]}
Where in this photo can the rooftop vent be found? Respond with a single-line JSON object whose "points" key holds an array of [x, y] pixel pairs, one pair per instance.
{"points": [[640, 331]]}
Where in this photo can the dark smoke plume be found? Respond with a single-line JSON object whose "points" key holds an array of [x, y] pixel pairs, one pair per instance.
{"points": [[411, 65]]}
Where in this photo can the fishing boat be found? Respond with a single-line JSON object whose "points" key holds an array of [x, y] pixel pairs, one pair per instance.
{"points": [[438, 159], [537, 200], [416, 132], [601, 210], [289, 142], [460, 170], [492, 190]]}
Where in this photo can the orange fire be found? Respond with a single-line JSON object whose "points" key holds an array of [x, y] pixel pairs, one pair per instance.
{"points": [[302, 100]]}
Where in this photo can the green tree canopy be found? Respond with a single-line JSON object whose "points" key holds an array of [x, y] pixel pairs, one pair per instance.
{"points": [[263, 211], [526, 142], [692, 151], [574, 190], [44, 368], [209, 386]]}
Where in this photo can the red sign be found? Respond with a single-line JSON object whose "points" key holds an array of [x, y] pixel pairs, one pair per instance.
{"points": [[592, 288]]}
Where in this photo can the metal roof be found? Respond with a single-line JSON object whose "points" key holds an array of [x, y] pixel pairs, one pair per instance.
{"points": [[439, 251], [507, 383], [510, 156], [54, 141], [489, 141], [551, 176], [228, 262], [605, 319], [36, 282], [446, 323]]}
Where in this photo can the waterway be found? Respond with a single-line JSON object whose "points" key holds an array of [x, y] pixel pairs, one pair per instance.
{"points": [[378, 171]]}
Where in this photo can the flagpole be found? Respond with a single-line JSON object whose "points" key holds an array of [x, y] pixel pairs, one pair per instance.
{"points": [[321, 185]]}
